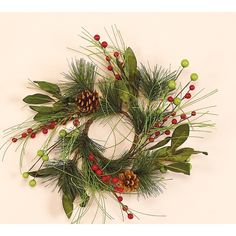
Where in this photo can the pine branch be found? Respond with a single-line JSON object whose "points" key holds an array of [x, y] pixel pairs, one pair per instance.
{"points": [[80, 77], [153, 84], [147, 168]]}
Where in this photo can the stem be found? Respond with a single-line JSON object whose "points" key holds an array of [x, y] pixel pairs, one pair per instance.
{"points": [[34, 164], [87, 126]]}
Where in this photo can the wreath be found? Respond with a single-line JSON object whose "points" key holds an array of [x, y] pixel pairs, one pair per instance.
{"points": [[112, 83]]}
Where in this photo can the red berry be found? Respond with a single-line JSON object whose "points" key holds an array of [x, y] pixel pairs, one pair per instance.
{"points": [[157, 125], [151, 139], [118, 189], [193, 113], [108, 58], [110, 68], [120, 199], [76, 122], [14, 140], [183, 116], [173, 114], [192, 87], [104, 44], [116, 54], [99, 172], [33, 135], [170, 99], [54, 123], [96, 37], [24, 135], [106, 178], [117, 76], [174, 121], [51, 126], [94, 167], [44, 130], [187, 95], [115, 180], [157, 133], [167, 132], [29, 130], [125, 208], [91, 157], [130, 216]]}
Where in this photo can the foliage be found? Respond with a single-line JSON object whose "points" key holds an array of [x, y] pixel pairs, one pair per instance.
{"points": [[80, 77], [145, 97], [153, 84], [69, 180]]}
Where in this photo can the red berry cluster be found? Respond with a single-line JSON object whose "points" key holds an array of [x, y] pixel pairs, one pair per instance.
{"points": [[174, 121], [187, 95], [44, 129], [105, 178], [108, 58], [32, 133], [159, 133], [125, 208]]}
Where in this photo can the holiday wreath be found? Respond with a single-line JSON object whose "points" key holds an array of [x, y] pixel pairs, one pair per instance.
{"points": [[150, 100]]}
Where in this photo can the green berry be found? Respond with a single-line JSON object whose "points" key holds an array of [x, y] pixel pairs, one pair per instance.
{"points": [[32, 183], [184, 63], [163, 169], [40, 153], [194, 76], [171, 84], [45, 157], [25, 175], [177, 101], [62, 133]]}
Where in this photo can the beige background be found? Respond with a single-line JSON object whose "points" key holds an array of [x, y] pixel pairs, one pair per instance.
{"points": [[34, 46]]}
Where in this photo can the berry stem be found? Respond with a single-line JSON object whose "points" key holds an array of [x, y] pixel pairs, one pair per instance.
{"points": [[34, 164]]}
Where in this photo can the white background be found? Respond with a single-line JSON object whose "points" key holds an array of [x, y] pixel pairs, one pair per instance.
{"points": [[34, 46]]}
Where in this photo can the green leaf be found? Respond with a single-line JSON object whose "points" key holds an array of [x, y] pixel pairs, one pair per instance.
{"points": [[179, 136], [67, 205], [163, 152], [180, 167], [160, 144], [48, 87], [197, 152], [45, 109], [181, 155], [37, 98], [130, 64], [40, 117], [46, 172], [122, 90]]}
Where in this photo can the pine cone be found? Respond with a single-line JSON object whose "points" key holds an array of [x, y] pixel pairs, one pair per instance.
{"points": [[87, 101], [128, 181]]}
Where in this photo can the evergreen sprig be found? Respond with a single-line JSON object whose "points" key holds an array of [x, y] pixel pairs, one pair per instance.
{"points": [[153, 83], [81, 77]]}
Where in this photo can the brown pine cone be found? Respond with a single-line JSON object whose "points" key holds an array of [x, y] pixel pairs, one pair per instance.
{"points": [[87, 101], [128, 181]]}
